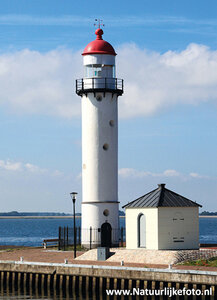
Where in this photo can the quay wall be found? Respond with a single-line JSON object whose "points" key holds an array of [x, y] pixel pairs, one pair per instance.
{"points": [[96, 278]]}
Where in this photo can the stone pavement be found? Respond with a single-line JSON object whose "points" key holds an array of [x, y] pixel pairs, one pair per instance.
{"points": [[141, 256], [30, 254], [132, 258], [38, 255]]}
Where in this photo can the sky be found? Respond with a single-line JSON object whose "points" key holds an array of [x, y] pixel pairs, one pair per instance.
{"points": [[167, 56]]}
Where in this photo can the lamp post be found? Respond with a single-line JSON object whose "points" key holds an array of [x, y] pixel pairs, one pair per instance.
{"points": [[73, 196]]}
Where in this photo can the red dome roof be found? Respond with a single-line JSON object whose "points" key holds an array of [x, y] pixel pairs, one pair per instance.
{"points": [[99, 46]]}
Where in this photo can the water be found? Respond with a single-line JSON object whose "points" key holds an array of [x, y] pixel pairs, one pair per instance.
{"points": [[8, 295], [15, 296], [31, 232]]}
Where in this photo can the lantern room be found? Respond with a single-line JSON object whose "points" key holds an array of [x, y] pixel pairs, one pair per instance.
{"points": [[99, 58], [99, 68]]}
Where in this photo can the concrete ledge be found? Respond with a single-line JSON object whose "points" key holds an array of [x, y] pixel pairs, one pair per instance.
{"points": [[149, 274]]}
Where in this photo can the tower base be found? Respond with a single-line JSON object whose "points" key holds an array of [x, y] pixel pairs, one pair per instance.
{"points": [[100, 224]]}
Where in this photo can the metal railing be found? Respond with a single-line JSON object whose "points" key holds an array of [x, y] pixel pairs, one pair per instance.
{"points": [[84, 85], [66, 236]]}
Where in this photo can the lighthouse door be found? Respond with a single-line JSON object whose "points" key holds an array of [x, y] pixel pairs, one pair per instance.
{"points": [[106, 235]]}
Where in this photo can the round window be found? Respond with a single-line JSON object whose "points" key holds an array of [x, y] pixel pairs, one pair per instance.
{"points": [[99, 98], [111, 123], [106, 212], [105, 147]]}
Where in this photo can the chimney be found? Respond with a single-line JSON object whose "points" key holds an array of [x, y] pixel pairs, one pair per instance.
{"points": [[161, 185]]}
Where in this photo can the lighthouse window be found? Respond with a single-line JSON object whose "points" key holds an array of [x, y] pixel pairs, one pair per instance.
{"points": [[105, 147], [106, 212], [91, 71], [99, 98], [97, 70], [111, 123]]}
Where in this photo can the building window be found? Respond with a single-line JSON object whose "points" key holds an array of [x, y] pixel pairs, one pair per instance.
{"points": [[178, 239], [141, 231], [178, 228]]}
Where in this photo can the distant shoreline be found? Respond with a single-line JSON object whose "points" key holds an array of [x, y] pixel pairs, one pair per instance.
{"points": [[207, 216], [42, 217], [64, 217], [38, 217]]}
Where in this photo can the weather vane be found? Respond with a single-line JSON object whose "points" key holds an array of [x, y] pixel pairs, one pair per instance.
{"points": [[99, 23]]}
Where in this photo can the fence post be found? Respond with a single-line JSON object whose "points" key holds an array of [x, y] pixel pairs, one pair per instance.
{"points": [[76, 236], [67, 236], [79, 235], [59, 243], [90, 237], [122, 236], [64, 235]]}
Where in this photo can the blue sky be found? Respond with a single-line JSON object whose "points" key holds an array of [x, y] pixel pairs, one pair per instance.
{"points": [[167, 56]]}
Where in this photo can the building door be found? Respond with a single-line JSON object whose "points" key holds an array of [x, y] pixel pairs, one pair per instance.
{"points": [[142, 231], [106, 235]]}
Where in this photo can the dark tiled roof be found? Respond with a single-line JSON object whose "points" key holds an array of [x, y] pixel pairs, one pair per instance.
{"points": [[161, 197]]}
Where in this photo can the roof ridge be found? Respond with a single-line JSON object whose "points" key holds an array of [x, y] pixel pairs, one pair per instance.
{"points": [[139, 198], [184, 197], [161, 196]]}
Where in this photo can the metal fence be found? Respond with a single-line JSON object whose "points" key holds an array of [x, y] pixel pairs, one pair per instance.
{"points": [[66, 236], [113, 84]]}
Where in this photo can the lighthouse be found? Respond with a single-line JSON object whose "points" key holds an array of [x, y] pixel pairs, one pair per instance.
{"points": [[99, 90]]}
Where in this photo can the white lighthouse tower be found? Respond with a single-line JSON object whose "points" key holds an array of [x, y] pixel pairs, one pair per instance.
{"points": [[99, 90]]}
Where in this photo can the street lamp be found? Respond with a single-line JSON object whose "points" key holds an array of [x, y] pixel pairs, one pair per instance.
{"points": [[73, 196]]}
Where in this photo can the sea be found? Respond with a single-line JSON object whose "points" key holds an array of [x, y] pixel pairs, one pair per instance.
{"points": [[31, 232]]}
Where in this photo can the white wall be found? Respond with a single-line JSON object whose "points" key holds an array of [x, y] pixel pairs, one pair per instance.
{"points": [[106, 59], [99, 166], [178, 223], [164, 226], [92, 216], [132, 215]]}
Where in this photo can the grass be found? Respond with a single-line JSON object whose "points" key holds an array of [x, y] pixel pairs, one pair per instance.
{"points": [[212, 262]]}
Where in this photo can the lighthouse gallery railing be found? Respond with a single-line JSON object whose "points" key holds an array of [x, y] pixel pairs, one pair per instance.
{"points": [[85, 85]]}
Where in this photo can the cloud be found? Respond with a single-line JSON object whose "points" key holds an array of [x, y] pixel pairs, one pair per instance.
{"points": [[10, 166], [40, 83], [121, 21], [33, 168], [44, 83], [155, 82], [130, 172], [196, 175], [133, 173], [64, 20], [171, 173]]}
